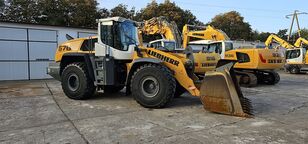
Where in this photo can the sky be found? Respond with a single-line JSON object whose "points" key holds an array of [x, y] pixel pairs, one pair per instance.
{"points": [[262, 15]]}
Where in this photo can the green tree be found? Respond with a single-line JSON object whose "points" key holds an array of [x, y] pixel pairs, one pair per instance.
{"points": [[233, 24], [21, 11], [122, 11], [304, 33], [78, 13], [283, 34]]}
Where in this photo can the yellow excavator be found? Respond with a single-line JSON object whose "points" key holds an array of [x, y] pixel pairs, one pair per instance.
{"points": [[297, 58], [256, 65], [113, 60], [274, 38], [296, 55]]}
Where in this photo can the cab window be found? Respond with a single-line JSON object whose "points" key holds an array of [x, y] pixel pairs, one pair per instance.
{"points": [[290, 54]]}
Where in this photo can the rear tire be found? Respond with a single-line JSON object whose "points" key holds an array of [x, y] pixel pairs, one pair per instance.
{"points": [[294, 70], [153, 86], [76, 83]]}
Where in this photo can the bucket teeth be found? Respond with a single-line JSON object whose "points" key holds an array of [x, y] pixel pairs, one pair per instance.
{"points": [[246, 106]]}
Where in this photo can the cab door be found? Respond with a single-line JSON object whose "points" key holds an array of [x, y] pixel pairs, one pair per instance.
{"points": [[295, 56]]}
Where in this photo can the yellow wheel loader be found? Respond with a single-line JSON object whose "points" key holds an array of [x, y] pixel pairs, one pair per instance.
{"points": [[258, 64], [113, 60]]}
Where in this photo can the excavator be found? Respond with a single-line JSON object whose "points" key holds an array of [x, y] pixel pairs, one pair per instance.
{"points": [[257, 65], [114, 60], [297, 58], [296, 55]]}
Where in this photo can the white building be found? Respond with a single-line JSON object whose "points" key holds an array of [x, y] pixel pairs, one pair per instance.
{"points": [[26, 49]]}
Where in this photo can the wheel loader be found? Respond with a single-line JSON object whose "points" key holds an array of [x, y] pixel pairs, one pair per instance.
{"points": [[113, 60]]}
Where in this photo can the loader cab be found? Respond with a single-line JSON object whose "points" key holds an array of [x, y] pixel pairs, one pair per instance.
{"points": [[117, 37], [296, 56], [163, 44]]}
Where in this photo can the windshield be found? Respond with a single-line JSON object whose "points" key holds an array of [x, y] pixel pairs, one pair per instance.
{"points": [[229, 46], [169, 45], [128, 34], [214, 47], [293, 53]]}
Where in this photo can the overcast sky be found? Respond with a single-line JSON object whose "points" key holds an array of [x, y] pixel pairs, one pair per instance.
{"points": [[263, 15]]}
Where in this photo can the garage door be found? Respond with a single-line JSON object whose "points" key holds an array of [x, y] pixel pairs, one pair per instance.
{"points": [[42, 48], [25, 53], [13, 54]]}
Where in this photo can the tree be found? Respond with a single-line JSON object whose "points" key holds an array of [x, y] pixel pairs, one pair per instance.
{"points": [[304, 33], [233, 24], [78, 13], [283, 34], [2, 4], [21, 11], [122, 11]]}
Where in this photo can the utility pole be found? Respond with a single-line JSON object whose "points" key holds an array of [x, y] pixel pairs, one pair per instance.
{"points": [[295, 17]]}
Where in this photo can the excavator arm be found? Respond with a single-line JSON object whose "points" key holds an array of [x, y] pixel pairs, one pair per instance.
{"points": [[202, 32], [279, 40], [160, 25], [300, 41]]}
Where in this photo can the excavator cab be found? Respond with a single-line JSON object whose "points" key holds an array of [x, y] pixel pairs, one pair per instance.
{"points": [[163, 44]]}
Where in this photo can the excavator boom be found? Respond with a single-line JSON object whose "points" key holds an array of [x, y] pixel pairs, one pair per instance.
{"points": [[202, 32], [279, 40], [300, 41]]}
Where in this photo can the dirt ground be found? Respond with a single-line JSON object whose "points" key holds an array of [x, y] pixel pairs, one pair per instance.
{"points": [[39, 112]]}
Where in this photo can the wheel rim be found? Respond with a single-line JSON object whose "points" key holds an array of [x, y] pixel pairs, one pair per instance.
{"points": [[149, 86], [73, 82]]}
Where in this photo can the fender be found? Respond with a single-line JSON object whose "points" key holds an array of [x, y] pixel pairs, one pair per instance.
{"points": [[79, 57]]}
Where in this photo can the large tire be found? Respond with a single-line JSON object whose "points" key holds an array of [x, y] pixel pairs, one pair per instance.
{"points": [[112, 89], [153, 86], [76, 82], [294, 70]]}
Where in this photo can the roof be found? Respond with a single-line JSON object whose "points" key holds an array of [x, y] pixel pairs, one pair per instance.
{"points": [[47, 25]]}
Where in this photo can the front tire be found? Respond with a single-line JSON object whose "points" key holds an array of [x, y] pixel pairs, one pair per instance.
{"points": [[153, 86], [76, 82]]}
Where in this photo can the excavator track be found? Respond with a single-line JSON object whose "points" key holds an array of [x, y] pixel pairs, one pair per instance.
{"points": [[251, 78], [246, 79], [267, 77]]}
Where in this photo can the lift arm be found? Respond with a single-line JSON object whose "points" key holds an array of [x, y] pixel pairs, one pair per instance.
{"points": [[300, 41], [202, 32], [279, 40]]}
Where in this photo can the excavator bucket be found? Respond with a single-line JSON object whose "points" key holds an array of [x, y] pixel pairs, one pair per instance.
{"points": [[220, 92]]}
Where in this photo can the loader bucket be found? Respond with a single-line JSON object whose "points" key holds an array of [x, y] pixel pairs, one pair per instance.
{"points": [[220, 92]]}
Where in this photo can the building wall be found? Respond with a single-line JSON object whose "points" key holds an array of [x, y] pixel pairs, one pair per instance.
{"points": [[26, 50]]}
